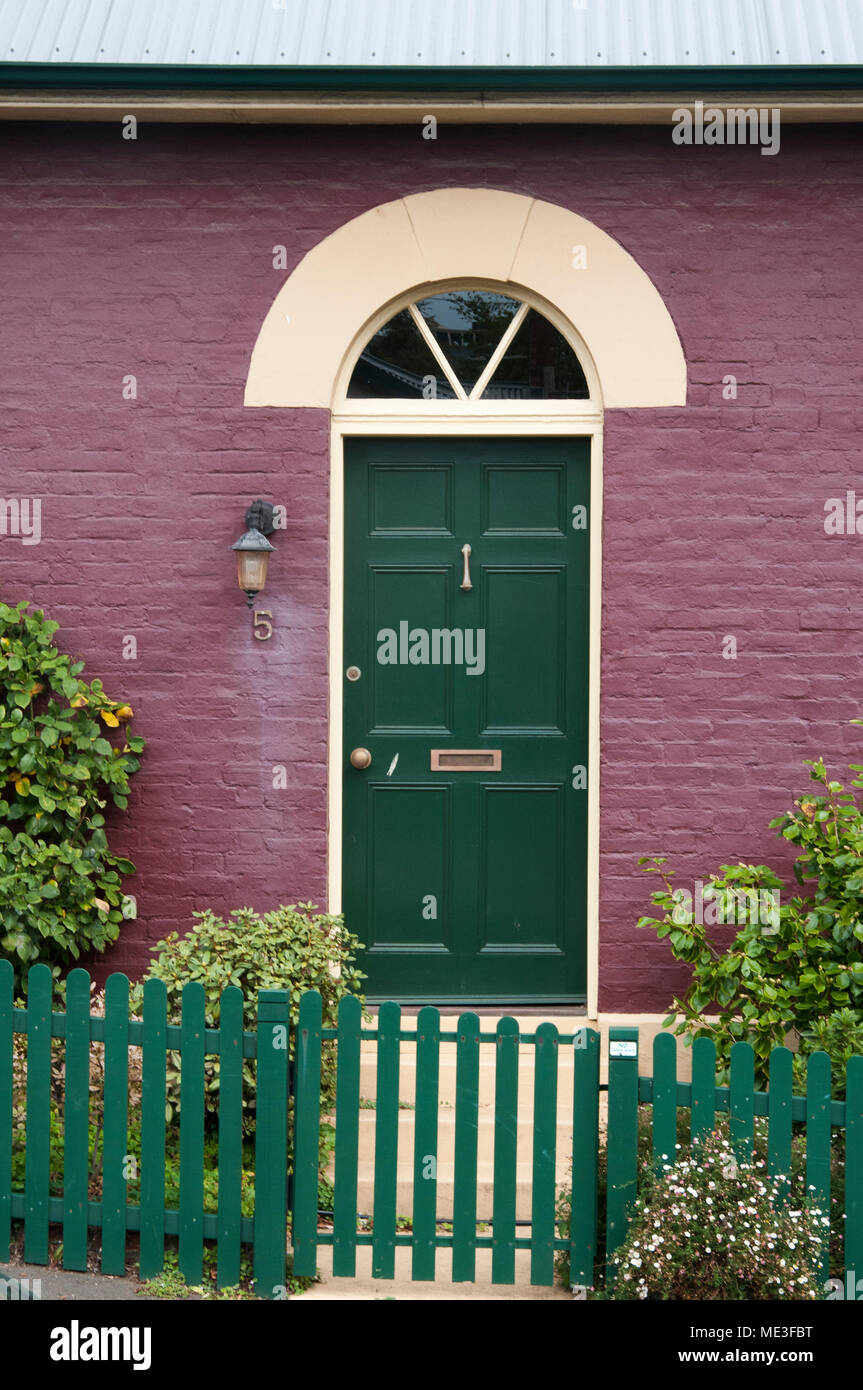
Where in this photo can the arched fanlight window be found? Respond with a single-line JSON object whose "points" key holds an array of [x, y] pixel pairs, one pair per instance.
{"points": [[469, 345]]}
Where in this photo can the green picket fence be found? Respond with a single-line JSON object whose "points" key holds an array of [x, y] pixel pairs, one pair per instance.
{"points": [[281, 1083], [819, 1113]]}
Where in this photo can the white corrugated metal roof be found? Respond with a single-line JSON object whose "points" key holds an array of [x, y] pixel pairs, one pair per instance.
{"points": [[434, 33]]}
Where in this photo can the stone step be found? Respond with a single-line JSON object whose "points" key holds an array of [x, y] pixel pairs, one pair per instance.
{"points": [[447, 1088], [485, 1130], [448, 1052], [445, 1191], [567, 1025], [446, 1160], [365, 1286]]}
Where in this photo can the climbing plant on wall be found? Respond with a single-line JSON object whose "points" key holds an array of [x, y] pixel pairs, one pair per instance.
{"points": [[60, 886]]}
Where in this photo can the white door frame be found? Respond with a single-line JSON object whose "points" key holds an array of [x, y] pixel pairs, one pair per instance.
{"points": [[459, 422]]}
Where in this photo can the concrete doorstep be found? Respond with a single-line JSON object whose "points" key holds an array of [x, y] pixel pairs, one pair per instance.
{"points": [[402, 1288]]}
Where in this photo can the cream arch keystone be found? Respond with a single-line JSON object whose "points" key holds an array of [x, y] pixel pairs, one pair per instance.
{"points": [[457, 234]]}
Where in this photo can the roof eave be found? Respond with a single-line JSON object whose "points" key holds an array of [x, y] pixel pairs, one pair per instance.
{"points": [[466, 80]]}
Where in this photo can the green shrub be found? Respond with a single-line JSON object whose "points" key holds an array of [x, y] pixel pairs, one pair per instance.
{"points": [[801, 968], [648, 1179], [295, 948], [60, 885], [713, 1228], [840, 1035]]}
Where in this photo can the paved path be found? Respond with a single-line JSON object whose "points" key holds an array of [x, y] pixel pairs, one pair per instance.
{"points": [[75, 1287]]}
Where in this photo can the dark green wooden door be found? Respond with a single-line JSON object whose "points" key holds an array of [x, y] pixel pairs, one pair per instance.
{"points": [[465, 839]]}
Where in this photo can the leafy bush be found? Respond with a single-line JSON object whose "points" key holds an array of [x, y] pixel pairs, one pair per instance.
{"points": [[840, 1035], [60, 886], [648, 1180], [294, 948], [800, 967], [713, 1228]]}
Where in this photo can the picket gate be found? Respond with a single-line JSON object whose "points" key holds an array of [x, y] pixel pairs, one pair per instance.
{"points": [[288, 1118]]}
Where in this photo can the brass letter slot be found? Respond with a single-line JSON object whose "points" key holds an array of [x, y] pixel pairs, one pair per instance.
{"points": [[465, 759]]}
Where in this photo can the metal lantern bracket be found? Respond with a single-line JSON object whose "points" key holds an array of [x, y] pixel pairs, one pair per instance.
{"points": [[260, 517]]}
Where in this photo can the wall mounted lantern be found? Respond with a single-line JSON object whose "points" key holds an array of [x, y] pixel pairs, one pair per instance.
{"points": [[253, 549]]}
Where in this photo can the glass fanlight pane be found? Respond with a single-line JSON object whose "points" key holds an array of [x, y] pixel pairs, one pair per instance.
{"points": [[468, 325], [539, 364], [398, 363]]}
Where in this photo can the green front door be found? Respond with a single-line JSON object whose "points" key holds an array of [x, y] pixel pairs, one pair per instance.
{"points": [[466, 679]]}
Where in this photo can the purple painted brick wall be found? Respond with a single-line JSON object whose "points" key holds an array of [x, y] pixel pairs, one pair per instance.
{"points": [[155, 258]]}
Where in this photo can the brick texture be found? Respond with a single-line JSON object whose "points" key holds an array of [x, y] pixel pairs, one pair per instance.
{"points": [[154, 258]]}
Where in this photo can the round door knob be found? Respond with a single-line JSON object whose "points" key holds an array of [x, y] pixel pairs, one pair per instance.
{"points": [[360, 757]]}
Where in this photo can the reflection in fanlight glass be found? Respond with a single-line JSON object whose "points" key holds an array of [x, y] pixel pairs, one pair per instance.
{"points": [[467, 326]]}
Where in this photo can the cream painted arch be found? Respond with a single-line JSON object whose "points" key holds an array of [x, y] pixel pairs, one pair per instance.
{"points": [[463, 234]]}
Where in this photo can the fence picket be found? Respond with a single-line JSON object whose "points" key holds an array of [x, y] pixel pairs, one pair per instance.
{"points": [[853, 1260], [7, 1038], [818, 1134], [153, 1069], [779, 1093], [505, 1145], [271, 1142], [543, 1193], [347, 1136], [191, 1223], [307, 1123], [386, 1142], [585, 1151], [741, 1101], [703, 1089], [37, 1155], [76, 1120], [230, 1200], [231, 1136], [425, 1144], [622, 1137], [115, 1143], [466, 1135], [664, 1100]]}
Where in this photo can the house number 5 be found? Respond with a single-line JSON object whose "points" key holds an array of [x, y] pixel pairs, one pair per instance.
{"points": [[262, 619]]}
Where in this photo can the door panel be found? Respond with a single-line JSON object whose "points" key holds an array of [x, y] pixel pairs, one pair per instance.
{"points": [[410, 695], [522, 906], [423, 859], [524, 610], [518, 501], [467, 885], [411, 499]]}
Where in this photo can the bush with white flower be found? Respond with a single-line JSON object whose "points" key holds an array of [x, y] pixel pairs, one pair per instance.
{"points": [[712, 1228]]}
